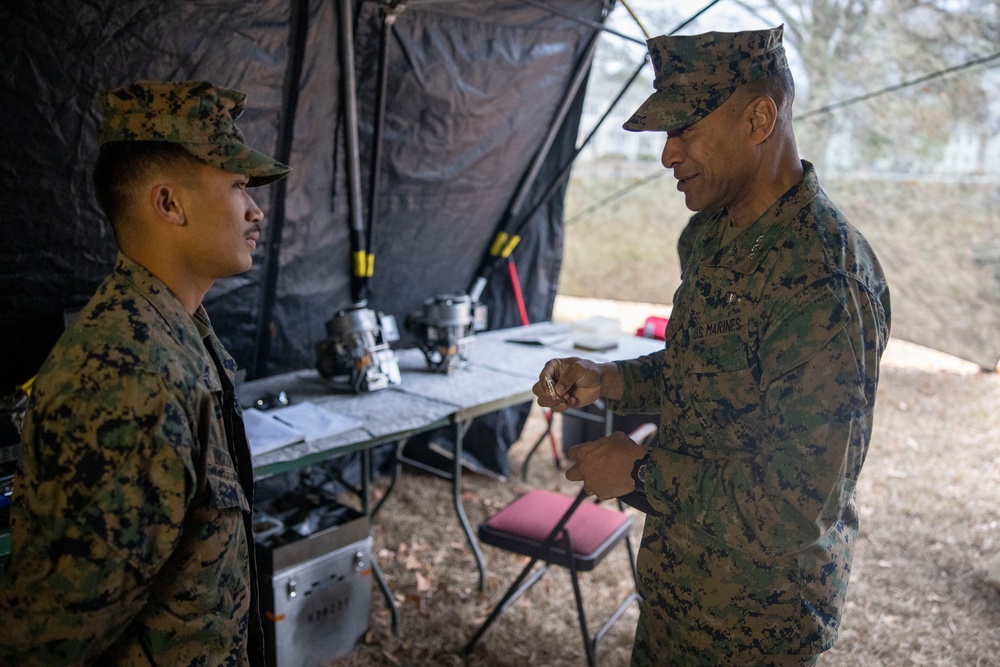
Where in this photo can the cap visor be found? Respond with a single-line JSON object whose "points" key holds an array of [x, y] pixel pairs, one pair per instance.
{"points": [[661, 112], [240, 159], [665, 112]]}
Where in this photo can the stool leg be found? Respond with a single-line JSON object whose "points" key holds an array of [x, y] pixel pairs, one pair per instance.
{"points": [[588, 646], [631, 551], [534, 448], [513, 593]]}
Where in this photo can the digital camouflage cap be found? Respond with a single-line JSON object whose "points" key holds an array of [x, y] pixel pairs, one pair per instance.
{"points": [[197, 115], [695, 74]]}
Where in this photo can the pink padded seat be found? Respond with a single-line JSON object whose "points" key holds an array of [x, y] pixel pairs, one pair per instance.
{"points": [[535, 514]]}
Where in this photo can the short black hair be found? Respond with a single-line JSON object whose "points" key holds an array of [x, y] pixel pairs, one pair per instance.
{"points": [[122, 164], [779, 87]]}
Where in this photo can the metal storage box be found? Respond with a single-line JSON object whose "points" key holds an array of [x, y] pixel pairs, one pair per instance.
{"points": [[316, 593]]}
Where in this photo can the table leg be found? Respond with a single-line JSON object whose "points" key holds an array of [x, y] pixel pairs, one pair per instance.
{"points": [[397, 468], [383, 585], [456, 479], [390, 602]]}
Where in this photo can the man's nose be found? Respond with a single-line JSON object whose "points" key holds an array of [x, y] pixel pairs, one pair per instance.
{"points": [[254, 214], [671, 156]]}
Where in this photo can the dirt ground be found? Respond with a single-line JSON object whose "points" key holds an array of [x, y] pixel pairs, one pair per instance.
{"points": [[918, 594]]}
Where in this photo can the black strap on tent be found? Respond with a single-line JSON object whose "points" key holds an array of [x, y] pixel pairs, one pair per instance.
{"points": [[503, 242], [508, 234], [298, 32], [563, 174]]}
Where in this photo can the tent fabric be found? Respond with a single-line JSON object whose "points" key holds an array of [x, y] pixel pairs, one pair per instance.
{"points": [[57, 56], [473, 87]]}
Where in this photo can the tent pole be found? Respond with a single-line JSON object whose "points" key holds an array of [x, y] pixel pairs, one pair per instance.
{"points": [[581, 76], [600, 27], [390, 11], [359, 285]]}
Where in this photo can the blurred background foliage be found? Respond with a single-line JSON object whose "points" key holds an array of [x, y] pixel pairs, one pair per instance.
{"points": [[898, 106]]}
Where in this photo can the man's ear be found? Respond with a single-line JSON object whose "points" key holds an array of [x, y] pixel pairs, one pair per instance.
{"points": [[763, 114], [166, 204]]}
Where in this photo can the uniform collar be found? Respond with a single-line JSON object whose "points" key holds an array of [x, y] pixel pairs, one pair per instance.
{"points": [[156, 292], [745, 253], [194, 332]]}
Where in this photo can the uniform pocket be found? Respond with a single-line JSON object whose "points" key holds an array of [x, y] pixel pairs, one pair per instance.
{"points": [[721, 385], [222, 482]]}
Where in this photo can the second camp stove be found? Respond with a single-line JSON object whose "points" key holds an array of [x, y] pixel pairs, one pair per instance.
{"points": [[445, 330]]}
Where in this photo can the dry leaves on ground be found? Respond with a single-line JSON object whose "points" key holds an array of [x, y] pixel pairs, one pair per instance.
{"points": [[918, 596]]}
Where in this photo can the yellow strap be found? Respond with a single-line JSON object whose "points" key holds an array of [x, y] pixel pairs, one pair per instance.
{"points": [[360, 263], [498, 243], [371, 266], [26, 387], [509, 248]]}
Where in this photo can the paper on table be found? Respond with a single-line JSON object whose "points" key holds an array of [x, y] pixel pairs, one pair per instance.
{"points": [[543, 334], [315, 421], [266, 434]]}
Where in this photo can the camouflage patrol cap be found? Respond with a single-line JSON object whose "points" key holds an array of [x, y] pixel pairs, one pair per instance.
{"points": [[197, 115], [695, 74]]}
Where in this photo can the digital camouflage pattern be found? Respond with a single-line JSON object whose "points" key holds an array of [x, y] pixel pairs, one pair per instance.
{"points": [[131, 507], [695, 74], [765, 392], [197, 115]]}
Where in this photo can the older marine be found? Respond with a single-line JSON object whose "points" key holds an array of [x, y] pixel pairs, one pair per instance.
{"points": [[766, 387]]}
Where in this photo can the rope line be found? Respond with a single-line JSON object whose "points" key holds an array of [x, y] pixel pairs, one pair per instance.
{"points": [[899, 86], [618, 194]]}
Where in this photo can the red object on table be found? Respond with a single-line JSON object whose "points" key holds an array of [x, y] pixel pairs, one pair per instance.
{"points": [[655, 327]]}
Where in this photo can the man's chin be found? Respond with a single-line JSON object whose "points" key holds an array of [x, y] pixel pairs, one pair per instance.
{"points": [[243, 267]]}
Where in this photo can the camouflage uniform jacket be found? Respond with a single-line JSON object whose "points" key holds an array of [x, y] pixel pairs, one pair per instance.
{"points": [[131, 505], [765, 391]]}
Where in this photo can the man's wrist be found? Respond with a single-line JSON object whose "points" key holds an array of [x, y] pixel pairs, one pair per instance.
{"points": [[640, 470], [612, 383]]}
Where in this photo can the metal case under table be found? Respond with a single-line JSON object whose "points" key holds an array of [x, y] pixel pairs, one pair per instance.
{"points": [[316, 594]]}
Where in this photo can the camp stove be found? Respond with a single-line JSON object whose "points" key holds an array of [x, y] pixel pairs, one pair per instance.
{"points": [[356, 355], [445, 330]]}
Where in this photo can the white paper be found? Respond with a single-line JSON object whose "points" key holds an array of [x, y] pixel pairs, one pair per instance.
{"points": [[550, 334], [315, 421], [265, 433]]}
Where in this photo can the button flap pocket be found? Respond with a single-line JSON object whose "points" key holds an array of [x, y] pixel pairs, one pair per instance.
{"points": [[224, 488]]}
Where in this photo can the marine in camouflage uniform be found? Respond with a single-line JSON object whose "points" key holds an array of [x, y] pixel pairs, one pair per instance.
{"points": [[765, 392], [130, 532]]}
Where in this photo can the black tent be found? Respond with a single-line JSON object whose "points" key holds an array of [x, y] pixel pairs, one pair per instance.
{"points": [[468, 111]]}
